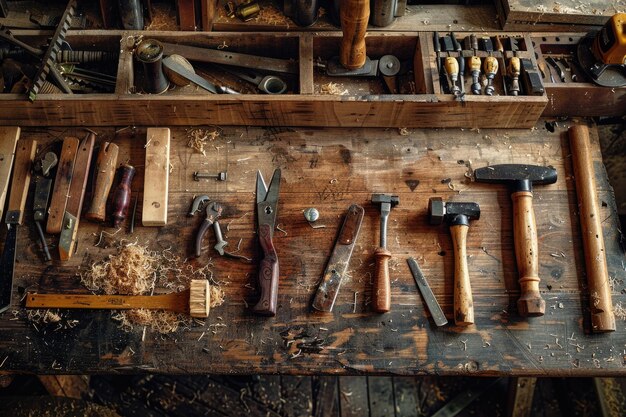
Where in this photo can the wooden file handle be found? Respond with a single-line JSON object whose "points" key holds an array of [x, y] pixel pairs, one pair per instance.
{"points": [[530, 302], [382, 284], [24, 155], [268, 274], [178, 302], [602, 317], [62, 184], [463, 301], [354, 16], [103, 180]]}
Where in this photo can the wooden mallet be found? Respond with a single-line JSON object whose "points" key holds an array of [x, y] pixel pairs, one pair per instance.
{"points": [[194, 301]]}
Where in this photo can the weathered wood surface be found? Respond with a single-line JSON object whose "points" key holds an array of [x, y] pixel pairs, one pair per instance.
{"points": [[330, 169], [529, 12]]}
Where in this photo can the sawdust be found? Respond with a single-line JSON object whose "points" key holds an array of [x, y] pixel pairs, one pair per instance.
{"points": [[197, 138], [135, 270], [163, 17], [619, 311], [332, 88]]}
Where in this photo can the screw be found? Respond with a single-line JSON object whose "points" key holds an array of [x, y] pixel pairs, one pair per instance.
{"points": [[221, 176], [311, 214]]}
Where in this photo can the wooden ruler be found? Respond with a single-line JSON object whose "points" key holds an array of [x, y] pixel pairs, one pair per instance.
{"points": [[8, 140], [156, 177]]}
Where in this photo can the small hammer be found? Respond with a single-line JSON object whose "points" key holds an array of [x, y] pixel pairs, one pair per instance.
{"points": [[521, 178], [457, 215], [382, 287]]}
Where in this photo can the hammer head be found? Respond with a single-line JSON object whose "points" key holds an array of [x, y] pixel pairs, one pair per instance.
{"points": [[453, 212], [521, 175], [385, 198]]}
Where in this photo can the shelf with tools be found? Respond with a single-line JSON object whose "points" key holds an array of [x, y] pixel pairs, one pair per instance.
{"points": [[569, 89], [362, 102]]}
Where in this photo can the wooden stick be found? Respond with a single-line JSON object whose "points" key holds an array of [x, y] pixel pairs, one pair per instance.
{"points": [[8, 140], [602, 317]]}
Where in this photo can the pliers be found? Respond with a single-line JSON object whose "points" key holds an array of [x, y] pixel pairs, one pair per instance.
{"points": [[213, 212], [267, 204]]}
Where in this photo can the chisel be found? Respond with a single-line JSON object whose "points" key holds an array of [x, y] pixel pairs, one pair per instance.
{"points": [[24, 156], [75, 200], [62, 185]]}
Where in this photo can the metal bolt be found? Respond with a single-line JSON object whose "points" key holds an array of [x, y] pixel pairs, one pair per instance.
{"points": [[221, 176], [311, 214]]}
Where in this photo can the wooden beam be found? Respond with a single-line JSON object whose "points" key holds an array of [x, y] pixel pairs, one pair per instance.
{"points": [[9, 136], [521, 392]]}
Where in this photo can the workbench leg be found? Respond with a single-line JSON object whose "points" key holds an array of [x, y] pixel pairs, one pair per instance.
{"points": [[521, 391]]}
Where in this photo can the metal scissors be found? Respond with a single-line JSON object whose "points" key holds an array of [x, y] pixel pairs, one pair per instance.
{"points": [[266, 205]]}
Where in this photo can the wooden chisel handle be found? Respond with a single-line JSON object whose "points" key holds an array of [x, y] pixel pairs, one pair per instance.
{"points": [[104, 174], [354, 17], [463, 301], [20, 183], [62, 184], [602, 317], [530, 302], [382, 283]]}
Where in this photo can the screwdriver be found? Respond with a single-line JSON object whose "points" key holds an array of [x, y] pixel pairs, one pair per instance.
{"points": [[491, 69], [514, 71], [474, 69], [452, 69]]}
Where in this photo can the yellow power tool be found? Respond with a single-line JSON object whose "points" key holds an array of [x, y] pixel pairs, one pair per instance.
{"points": [[602, 55]]}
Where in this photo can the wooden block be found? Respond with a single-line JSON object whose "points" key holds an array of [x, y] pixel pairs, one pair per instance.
{"points": [[62, 185], [156, 177], [8, 139], [24, 155]]}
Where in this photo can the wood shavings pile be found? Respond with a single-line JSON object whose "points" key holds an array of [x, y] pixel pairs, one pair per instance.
{"points": [[136, 270], [162, 14], [270, 15], [333, 89], [197, 138], [619, 311]]}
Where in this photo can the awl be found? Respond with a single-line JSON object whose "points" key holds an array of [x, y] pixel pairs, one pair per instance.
{"points": [[74, 204], [24, 156]]}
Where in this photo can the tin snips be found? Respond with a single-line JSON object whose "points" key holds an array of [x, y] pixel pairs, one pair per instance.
{"points": [[266, 205]]}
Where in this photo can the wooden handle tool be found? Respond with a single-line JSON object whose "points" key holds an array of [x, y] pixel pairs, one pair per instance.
{"points": [[354, 16], [104, 174], [74, 206], [602, 317], [458, 216], [195, 301], [62, 185], [382, 282], [521, 178], [121, 196]]}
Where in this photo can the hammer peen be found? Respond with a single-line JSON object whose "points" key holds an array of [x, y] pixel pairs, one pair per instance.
{"points": [[521, 178]]}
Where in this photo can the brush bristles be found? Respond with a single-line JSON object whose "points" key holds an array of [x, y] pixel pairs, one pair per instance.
{"points": [[199, 298]]}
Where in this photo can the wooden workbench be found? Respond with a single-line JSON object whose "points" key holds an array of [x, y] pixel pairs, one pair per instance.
{"points": [[330, 169]]}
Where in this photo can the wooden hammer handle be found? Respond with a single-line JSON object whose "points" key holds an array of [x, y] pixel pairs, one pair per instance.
{"points": [[104, 174], [602, 317], [527, 253], [463, 301], [354, 16], [382, 284]]}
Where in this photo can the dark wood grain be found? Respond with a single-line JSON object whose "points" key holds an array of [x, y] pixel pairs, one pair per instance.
{"points": [[331, 169]]}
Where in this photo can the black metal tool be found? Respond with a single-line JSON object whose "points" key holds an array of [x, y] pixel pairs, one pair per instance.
{"points": [[49, 60], [429, 298], [24, 155], [213, 212], [43, 186], [339, 260]]}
